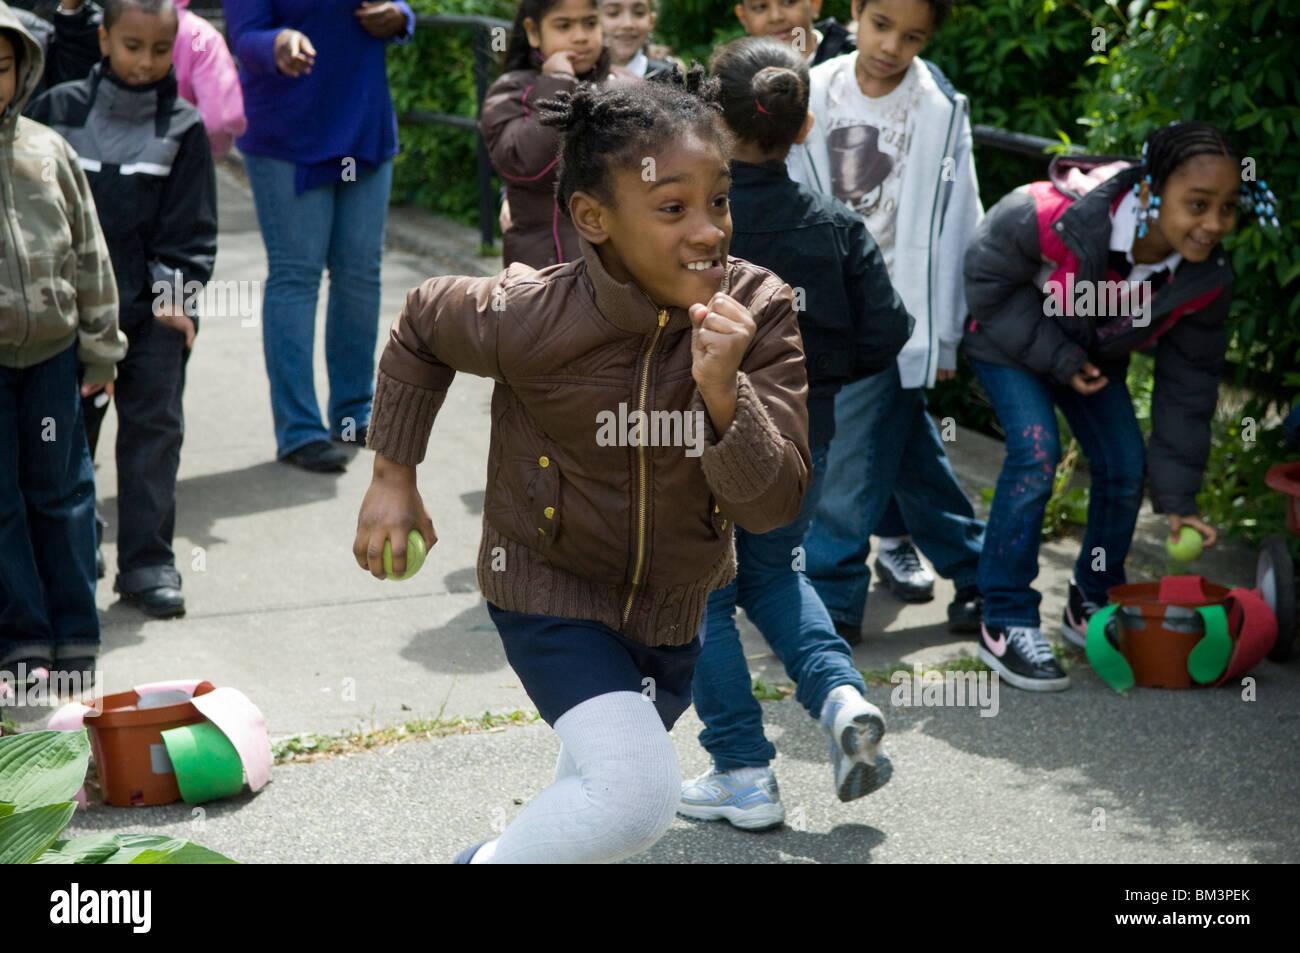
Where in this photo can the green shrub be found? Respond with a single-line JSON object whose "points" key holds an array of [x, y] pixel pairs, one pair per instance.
{"points": [[1230, 64], [437, 166]]}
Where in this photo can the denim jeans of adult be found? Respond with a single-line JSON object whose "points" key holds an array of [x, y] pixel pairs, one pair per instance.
{"points": [[339, 226], [148, 397], [781, 602], [886, 445], [1108, 433], [47, 516]]}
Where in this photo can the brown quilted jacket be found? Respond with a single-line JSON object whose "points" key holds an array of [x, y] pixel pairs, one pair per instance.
{"points": [[586, 515]]}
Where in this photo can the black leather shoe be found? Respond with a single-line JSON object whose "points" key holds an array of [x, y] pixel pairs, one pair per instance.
{"points": [[966, 611], [319, 456], [162, 602], [358, 438]]}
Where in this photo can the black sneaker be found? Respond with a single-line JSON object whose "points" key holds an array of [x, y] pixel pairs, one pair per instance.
{"points": [[901, 570], [319, 456], [1022, 657], [1078, 611], [849, 632], [966, 611]]}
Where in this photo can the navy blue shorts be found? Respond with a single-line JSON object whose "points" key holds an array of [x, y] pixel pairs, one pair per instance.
{"points": [[564, 662]]}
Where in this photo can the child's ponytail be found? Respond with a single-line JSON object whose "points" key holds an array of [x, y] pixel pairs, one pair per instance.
{"points": [[764, 91]]}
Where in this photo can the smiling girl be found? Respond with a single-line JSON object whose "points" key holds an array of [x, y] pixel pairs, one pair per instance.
{"points": [[1046, 332], [553, 45], [597, 558], [627, 25]]}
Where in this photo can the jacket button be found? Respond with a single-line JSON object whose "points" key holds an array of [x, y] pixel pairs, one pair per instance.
{"points": [[549, 512], [544, 461]]}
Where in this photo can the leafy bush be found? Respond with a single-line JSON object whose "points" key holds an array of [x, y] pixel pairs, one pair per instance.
{"points": [[1230, 64], [437, 166], [40, 773]]}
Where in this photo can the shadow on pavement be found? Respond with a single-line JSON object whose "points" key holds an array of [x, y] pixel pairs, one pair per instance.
{"points": [[844, 844], [467, 644]]}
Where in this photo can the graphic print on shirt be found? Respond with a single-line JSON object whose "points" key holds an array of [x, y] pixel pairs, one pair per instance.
{"points": [[866, 143], [858, 167]]}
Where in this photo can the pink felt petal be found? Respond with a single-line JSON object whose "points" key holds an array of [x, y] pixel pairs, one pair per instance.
{"points": [[242, 722], [1184, 590]]}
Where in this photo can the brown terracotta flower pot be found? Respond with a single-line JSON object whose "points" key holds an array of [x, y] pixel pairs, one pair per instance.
{"points": [[134, 770], [1156, 637]]}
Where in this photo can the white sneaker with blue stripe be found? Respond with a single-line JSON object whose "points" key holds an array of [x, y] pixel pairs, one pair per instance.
{"points": [[854, 728], [746, 797]]}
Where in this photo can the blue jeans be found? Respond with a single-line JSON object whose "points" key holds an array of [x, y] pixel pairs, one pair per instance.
{"points": [[886, 445], [339, 226], [1108, 432], [47, 516], [783, 604]]}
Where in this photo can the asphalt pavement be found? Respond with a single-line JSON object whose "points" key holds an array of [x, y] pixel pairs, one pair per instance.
{"points": [[278, 608]]}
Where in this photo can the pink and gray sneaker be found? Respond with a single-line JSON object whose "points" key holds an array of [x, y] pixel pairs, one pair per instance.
{"points": [[1078, 611]]}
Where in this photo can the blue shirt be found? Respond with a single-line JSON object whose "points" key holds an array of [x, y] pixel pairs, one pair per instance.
{"points": [[340, 109]]}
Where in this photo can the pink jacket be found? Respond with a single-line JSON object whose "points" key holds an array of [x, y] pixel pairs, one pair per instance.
{"points": [[206, 76]]}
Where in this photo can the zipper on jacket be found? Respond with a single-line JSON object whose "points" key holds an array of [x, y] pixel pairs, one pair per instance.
{"points": [[641, 479]]}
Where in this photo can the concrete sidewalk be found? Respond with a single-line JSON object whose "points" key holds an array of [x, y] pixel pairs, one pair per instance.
{"points": [[278, 609]]}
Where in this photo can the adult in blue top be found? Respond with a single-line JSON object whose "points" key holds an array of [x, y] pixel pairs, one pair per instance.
{"points": [[321, 138]]}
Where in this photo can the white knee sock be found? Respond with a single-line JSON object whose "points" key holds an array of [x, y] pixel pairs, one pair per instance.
{"points": [[616, 789]]}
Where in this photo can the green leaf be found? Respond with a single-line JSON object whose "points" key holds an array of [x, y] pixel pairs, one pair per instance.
{"points": [[42, 767], [25, 835], [160, 849], [90, 849]]}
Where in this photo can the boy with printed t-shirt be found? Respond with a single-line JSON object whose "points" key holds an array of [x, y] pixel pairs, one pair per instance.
{"points": [[892, 140]]}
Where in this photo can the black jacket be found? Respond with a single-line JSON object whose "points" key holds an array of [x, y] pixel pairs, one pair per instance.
{"points": [[70, 40], [146, 155], [852, 320], [1045, 232], [836, 41]]}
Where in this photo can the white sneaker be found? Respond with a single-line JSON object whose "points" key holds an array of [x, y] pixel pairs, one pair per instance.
{"points": [[747, 797], [854, 728], [899, 567]]}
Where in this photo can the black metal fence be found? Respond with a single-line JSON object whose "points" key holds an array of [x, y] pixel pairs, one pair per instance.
{"points": [[484, 73]]}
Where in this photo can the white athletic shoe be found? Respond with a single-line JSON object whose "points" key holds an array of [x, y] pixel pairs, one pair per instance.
{"points": [[748, 798], [853, 729]]}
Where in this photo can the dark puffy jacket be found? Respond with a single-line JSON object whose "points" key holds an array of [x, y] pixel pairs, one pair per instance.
{"points": [[1047, 236], [147, 157], [836, 41], [852, 320]]}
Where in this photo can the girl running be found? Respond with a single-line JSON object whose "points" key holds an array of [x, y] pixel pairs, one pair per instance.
{"points": [[554, 44], [648, 394], [1065, 279]]}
